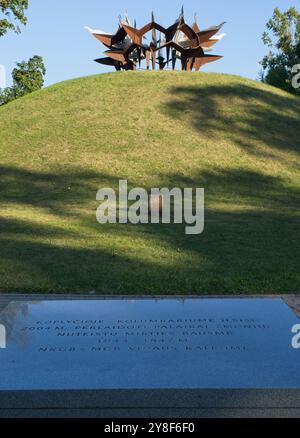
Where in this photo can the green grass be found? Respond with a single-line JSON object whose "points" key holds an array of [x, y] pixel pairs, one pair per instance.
{"points": [[238, 139]]}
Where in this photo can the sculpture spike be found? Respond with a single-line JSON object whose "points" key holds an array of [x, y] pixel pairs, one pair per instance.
{"points": [[195, 25], [127, 21], [127, 48], [148, 54], [182, 13], [154, 34], [174, 59], [153, 59], [159, 46], [168, 53]]}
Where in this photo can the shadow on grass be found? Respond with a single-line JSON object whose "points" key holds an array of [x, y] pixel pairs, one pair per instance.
{"points": [[250, 244], [245, 248], [251, 115], [51, 191], [242, 187]]}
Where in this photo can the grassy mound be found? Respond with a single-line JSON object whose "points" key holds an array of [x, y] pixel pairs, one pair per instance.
{"points": [[238, 139]]}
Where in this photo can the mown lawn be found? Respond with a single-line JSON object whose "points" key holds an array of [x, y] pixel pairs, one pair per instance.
{"points": [[238, 139]]}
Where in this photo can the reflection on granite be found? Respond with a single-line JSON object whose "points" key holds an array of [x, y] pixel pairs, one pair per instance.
{"points": [[149, 344]]}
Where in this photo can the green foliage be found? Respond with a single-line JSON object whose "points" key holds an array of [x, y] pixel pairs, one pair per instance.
{"points": [[27, 77], [11, 12], [283, 39]]}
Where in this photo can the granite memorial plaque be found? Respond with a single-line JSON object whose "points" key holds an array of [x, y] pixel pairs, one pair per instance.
{"points": [[146, 345]]}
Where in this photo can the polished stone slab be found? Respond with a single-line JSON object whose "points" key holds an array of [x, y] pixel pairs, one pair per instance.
{"points": [[149, 344], [142, 353]]}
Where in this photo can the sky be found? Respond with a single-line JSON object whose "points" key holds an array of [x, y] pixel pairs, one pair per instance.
{"points": [[55, 30]]}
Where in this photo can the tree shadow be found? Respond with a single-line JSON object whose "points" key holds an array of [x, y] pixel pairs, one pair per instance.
{"points": [[53, 192], [251, 219], [249, 244], [259, 121], [242, 187]]}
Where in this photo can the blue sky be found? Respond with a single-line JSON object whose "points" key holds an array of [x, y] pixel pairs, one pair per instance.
{"points": [[55, 31]]}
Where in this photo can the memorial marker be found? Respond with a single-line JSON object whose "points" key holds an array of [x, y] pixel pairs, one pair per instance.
{"points": [[111, 346]]}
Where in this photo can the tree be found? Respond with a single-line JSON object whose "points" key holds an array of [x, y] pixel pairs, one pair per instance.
{"points": [[27, 77], [283, 39], [12, 12]]}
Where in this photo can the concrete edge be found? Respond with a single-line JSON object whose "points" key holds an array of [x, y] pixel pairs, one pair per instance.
{"points": [[160, 413], [152, 399]]}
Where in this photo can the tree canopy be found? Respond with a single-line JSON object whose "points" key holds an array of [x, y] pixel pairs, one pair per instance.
{"points": [[12, 13], [283, 39], [27, 77]]}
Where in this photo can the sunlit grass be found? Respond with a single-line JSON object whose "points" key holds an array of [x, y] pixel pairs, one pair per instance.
{"points": [[236, 138]]}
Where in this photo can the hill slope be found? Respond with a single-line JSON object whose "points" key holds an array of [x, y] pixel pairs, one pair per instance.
{"points": [[238, 139]]}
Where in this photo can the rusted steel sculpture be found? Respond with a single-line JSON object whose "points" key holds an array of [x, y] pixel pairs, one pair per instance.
{"points": [[128, 47]]}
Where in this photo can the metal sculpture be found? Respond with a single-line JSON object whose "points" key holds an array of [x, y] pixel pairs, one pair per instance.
{"points": [[128, 47]]}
